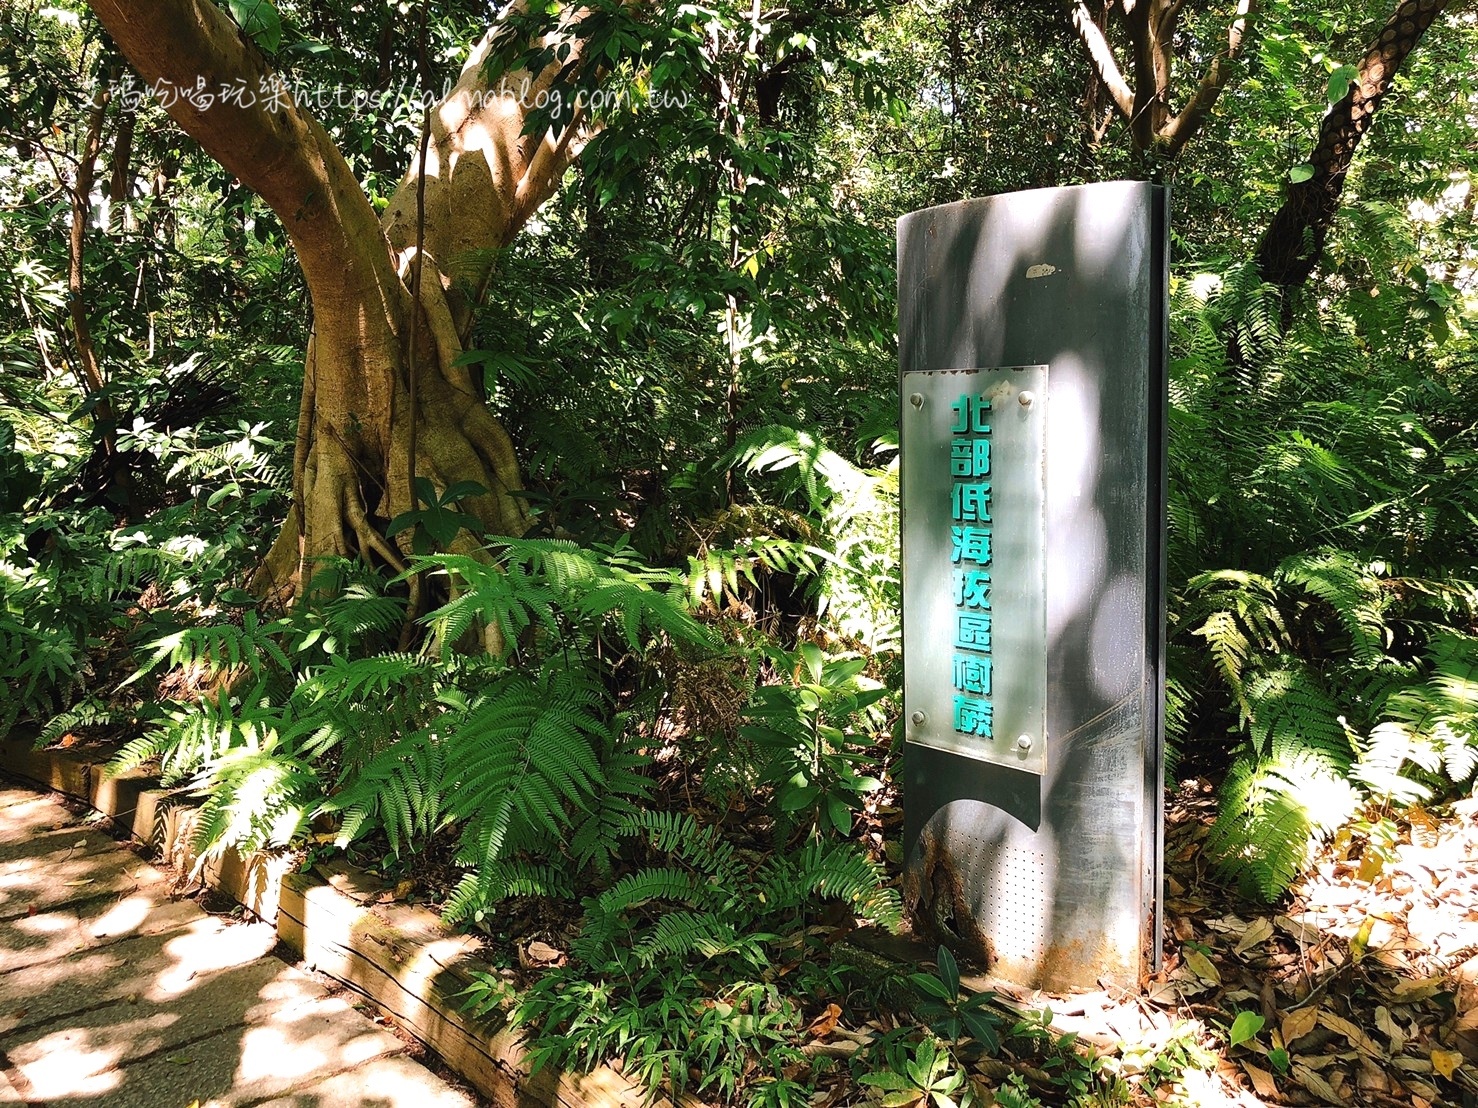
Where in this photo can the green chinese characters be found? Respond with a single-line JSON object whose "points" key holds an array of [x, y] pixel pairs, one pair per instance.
{"points": [[970, 554]]}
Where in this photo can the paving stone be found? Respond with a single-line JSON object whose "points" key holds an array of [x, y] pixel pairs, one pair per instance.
{"points": [[47, 883], [69, 841], [13, 797], [236, 1067], [111, 993], [23, 818], [150, 970], [394, 1082], [116, 1033], [89, 925]]}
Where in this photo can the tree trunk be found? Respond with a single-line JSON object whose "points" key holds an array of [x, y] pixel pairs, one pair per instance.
{"points": [[1294, 241], [375, 346]]}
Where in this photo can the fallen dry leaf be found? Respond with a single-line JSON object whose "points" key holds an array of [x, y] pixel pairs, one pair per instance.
{"points": [[1357, 1038], [1298, 1023], [1445, 1061], [1259, 932], [1316, 1084], [543, 952], [824, 1024], [1410, 992], [1303, 933], [1390, 1029], [1262, 1081], [1202, 967]]}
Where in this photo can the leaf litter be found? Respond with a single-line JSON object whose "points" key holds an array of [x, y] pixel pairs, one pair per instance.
{"points": [[1362, 983]]}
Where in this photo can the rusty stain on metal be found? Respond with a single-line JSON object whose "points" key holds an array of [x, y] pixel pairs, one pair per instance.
{"points": [[935, 894]]}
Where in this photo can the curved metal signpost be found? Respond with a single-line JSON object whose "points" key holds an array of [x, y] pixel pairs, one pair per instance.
{"points": [[1032, 345]]}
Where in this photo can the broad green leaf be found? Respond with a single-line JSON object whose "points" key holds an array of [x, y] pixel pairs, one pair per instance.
{"points": [[928, 983], [839, 814], [949, 971], [1339, 83], [260, 21], [1245, 1028], [886, 1079]]}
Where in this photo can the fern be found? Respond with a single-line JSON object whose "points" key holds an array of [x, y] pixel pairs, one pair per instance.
{"points": [[1274, 811], [89, 712], [219, 646], [1291, 790], [1352, 591], [499, 881], [400, 789], [253, 800], [835, 871], [680, 934], [858, 582], [1432, 725]]}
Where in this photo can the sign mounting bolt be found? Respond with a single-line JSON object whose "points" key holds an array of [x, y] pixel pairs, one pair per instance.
{"points": [[917, 400], [918, 719], [1026, 398], [1023, 743]]}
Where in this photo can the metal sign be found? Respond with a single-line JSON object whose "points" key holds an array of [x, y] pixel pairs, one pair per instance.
{"points": [[975, 629], [1033, 606]]}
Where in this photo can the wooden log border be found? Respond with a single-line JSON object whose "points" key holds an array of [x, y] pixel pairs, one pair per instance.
{"points": [[400, 957]]}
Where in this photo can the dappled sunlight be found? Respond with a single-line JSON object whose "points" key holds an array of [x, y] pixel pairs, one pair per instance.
{"points": [[431, 959], [142, 999], [75, 1071], [124, 916], [77, 1061], [207, 947], [98, 983], [298, 1045], [1073, 464]]}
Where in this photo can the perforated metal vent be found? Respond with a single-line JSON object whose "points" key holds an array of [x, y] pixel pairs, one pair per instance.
{"points": [[1017, 904]]}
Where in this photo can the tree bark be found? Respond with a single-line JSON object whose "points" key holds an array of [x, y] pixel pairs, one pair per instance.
{"points": [[483, 178], [1291, 247]]}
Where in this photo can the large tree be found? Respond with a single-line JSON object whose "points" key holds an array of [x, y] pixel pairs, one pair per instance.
{"points": [[385, 398]]}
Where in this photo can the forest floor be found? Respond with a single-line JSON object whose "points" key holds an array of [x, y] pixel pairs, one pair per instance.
{"points": [[1361, 988]]}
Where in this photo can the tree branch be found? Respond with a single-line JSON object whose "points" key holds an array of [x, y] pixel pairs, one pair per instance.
{"points": [[1294, 241], [275, 148], [1179, 128], [1102, 56]]}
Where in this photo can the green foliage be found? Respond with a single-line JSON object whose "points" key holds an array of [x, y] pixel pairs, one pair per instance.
{"points": [[858, 583], [1327, 650], [673, 967], [804, 732], [520, 752], [951, 1014], [931, 1075]]}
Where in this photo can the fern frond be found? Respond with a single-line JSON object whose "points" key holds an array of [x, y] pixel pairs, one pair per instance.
{"points": [[838, 871], [1274, 812], [1352, 590], [679, 934]]}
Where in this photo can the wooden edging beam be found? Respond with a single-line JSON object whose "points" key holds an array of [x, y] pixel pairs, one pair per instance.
{"points": [[400, 957]]}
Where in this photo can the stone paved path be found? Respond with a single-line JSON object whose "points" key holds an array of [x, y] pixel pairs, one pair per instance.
{"points": [[112, 995]]}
